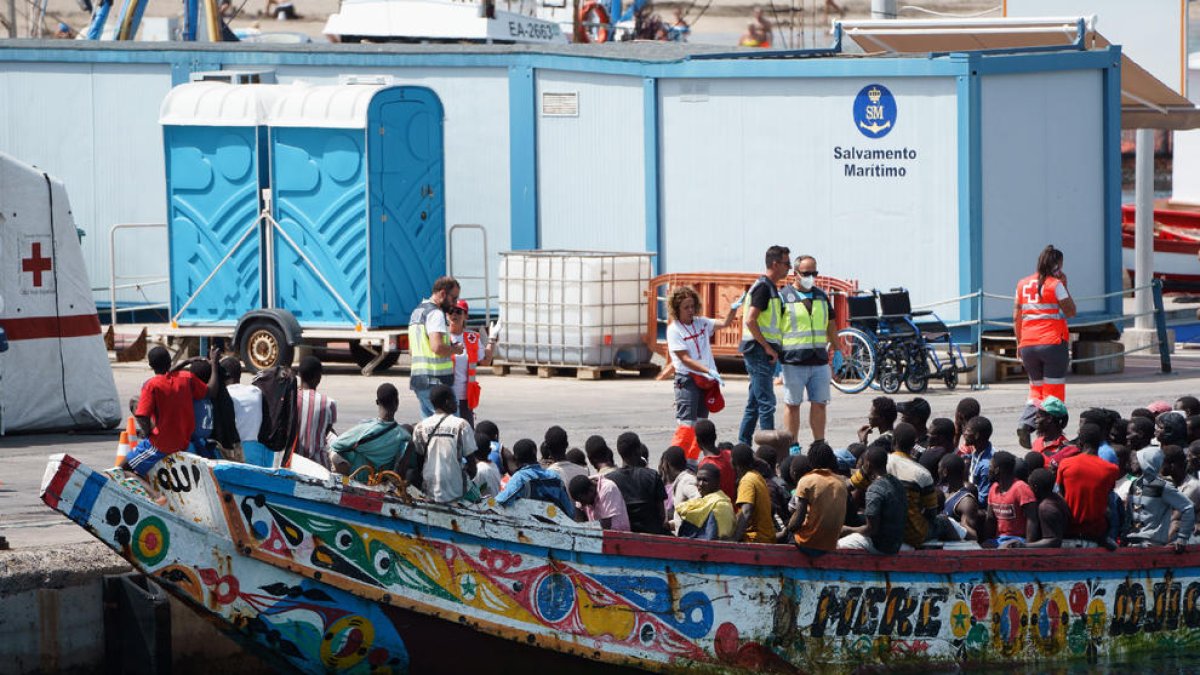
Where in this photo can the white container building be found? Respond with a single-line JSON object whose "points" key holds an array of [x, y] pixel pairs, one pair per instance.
{"points": [[943, 172]]}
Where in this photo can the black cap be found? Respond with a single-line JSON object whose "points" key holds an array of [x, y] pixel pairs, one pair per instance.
{"points": [[918, 408]]}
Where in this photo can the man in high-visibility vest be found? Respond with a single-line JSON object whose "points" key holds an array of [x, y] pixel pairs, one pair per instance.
{"points": [[429, 343], [466, 386], [808, 331], [761, 343]]}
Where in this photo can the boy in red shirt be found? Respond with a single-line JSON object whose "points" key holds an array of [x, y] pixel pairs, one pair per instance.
{"points": [[706, 438], [1011, 506], [1087, 483], [164, 414]]}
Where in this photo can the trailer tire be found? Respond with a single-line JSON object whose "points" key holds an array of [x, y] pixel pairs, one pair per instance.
{"points": [[362, 357], [264, 346]]}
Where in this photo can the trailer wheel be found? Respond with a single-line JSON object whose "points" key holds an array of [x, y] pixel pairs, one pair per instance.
{"points": [[264, 346], [362, 356]]}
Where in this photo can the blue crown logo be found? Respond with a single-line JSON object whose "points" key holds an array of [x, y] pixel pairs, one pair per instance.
{"points": [[874, 111]]}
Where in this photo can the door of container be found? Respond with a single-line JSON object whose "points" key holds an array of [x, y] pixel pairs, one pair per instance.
{"points": [[319, 186], [408, 223], [212, 201]]}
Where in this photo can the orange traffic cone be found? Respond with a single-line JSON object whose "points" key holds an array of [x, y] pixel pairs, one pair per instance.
{"points": [[122, 449], [131, 427]]}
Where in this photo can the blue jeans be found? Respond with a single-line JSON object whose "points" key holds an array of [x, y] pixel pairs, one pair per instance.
{"points": [[760, 405], [423, 399]]}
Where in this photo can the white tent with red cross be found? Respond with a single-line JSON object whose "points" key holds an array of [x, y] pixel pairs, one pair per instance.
{"points": [[55, 372]]}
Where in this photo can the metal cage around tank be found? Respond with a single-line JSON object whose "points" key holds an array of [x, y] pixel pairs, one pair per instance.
{"points": [[573, 308]]}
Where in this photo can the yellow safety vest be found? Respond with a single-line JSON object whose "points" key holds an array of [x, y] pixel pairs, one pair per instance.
{"points": [[425, 363], [805, 334], [768, 319]]}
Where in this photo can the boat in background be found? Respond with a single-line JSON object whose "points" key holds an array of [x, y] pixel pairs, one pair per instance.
{"points": [[320, 575], [1176, 247], [487, 21]]}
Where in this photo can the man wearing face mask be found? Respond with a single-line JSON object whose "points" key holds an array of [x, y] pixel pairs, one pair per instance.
{"points": [[430, 345], [808, 331]]}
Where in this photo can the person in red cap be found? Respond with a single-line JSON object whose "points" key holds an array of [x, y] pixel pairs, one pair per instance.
{"points": [[475, 352]]}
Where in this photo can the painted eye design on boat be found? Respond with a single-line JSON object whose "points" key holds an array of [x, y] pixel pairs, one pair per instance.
{"points": [[343, 540], [383, 561]]}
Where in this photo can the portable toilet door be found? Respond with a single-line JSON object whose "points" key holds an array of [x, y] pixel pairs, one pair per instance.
{"points": [[214, 141], [408, 216], [356, 175]]}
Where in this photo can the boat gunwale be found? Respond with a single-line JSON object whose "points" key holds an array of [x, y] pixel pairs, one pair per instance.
{"points": [[669, 548]]}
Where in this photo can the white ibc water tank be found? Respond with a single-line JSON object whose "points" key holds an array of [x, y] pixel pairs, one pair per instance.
{"points": [[573, 308]]}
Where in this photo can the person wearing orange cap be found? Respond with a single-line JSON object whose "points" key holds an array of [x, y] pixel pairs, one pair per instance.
{"points": [[466, 386], [1040, 311]]}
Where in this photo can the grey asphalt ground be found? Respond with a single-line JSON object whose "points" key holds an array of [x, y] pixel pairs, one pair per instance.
{"points": [[524, 405]]}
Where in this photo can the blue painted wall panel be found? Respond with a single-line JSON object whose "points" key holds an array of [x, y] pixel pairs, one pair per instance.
{"points": [[319, 180], [212, 185]]}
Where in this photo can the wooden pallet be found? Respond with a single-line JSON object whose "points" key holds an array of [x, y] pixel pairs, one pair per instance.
{"points": [[1004, 370], [579, 372]]}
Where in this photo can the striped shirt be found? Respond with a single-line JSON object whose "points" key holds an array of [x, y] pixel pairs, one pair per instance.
{"points": [[315, 414]]}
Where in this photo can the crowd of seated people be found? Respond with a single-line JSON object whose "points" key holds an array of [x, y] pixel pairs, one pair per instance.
{"points": [[908, 481]]}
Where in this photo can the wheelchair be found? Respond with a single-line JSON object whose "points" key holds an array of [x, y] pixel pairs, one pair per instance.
{"points": [[887, 345]]}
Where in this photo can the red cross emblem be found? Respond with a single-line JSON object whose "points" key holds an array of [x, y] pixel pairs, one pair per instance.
{"points": [[1029, 293], [35, 264]]}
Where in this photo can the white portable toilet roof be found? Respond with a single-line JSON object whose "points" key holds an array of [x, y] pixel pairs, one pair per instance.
{"points": [[341, 106], [219, 104]]}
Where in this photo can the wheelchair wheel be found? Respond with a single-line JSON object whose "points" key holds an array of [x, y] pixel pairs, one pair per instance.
{"points": [[890, 371], [858, 365], [951, 378], [916, 377]]}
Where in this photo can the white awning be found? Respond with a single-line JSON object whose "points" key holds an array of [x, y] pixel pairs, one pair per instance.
{"points": [[1146, 103]]}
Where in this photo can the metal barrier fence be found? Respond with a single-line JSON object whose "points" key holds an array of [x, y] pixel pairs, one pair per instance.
{"points": [[1159, 313], [139, 282]]}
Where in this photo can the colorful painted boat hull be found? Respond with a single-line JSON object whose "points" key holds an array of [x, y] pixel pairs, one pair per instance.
{"points": [[242, 543]]}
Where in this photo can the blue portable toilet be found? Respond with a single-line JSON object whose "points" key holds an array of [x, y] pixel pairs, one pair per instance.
{"points": [[215, 147], [356, 173]]}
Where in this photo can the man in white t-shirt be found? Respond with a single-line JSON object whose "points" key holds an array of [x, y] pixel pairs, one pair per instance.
{"points": [[689, 339], [445, 441], [247, 412]]}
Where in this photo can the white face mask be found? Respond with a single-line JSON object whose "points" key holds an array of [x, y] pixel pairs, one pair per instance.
{"points": [[807, 283]]}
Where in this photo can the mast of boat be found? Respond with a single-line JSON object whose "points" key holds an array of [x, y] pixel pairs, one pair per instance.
{"points": [[1143, 230]]}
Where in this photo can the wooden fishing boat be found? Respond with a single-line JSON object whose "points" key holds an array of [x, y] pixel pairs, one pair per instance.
{"points": [[1176, 247], [313, 572]]}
